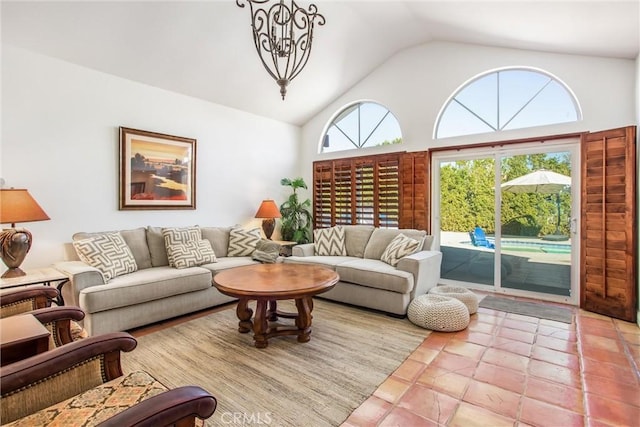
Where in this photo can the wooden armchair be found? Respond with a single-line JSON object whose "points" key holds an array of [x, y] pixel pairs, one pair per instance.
{"points": [[82, 383], [60, 321]]}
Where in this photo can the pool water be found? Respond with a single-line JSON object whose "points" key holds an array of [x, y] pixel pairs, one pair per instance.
{"points": [[525, 246]]}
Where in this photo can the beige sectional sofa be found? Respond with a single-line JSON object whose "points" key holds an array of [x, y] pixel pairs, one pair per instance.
{"points": [[155, 291], [368, 281]]}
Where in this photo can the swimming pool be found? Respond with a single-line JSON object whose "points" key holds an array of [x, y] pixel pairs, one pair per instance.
{"points": [[528, 246]]}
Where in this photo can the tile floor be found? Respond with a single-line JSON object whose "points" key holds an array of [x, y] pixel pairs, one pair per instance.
{"points": [[513, 370]]}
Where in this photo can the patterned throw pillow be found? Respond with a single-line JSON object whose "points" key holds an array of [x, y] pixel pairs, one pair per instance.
{"points": [[191, 253], [107, 252], [243, 242], [176, 236], [329, 241], [399, 247]]}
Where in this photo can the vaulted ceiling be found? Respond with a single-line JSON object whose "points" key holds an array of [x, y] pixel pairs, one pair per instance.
{"points": [[205, 50]]}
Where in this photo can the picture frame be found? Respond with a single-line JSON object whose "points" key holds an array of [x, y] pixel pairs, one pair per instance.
{"points": [[157, 171]]}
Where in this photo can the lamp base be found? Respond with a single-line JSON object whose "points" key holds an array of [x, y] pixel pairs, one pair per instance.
{"points": [[14, 245], [268, 225], [13, 272]]}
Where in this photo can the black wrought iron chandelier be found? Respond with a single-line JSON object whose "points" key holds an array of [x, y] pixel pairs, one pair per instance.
{"points": [[282, 34]]}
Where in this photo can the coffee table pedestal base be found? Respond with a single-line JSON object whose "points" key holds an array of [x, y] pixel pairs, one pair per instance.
{"points": [[267, 311]]}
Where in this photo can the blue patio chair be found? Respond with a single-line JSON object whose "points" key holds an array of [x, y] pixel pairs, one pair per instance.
{"points": [[478, 238]]}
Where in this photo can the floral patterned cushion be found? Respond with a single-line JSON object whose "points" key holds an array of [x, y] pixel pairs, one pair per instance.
{"points": [[98, 404]]}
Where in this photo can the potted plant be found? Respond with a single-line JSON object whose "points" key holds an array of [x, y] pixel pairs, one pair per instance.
{"points": [[296, 215]]}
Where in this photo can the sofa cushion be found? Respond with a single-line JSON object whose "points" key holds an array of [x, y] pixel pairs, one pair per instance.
{"points": [[157, 249], [135, 238], [143, 286], [243, 242], [329, 241], [177, 235], [381, 237], [191, 254], [399, 247], [327, 261], [375, 274], [219, 238], [229, 262], [108, 252], [356, 238]]}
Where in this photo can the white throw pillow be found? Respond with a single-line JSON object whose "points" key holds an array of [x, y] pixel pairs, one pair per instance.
{"points": [[243, 242], [329, 241], [176, 236], [191, 254], [399, 247], [108, 252]]}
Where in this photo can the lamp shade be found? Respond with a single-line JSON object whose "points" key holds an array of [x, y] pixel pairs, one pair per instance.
{"points": [[17, 205], [268, 209]]}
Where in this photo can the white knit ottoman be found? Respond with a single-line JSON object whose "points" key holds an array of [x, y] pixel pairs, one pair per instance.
{"points": [[438, 313], [463, 294]]}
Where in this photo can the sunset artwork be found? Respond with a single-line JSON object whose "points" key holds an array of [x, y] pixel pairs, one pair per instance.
{"points": [[157, 171]]}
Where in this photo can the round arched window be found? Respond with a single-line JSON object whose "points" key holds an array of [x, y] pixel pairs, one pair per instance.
{"points": [[359, 125]]}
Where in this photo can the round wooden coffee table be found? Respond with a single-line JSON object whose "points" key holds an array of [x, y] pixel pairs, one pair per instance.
{"points": [[268, 283]]}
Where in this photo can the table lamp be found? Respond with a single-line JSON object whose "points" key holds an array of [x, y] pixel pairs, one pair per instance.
{"points": [[17, 205], [269, 211]]}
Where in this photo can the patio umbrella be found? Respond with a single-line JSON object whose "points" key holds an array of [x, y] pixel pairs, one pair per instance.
{"points": [[540, 181]]}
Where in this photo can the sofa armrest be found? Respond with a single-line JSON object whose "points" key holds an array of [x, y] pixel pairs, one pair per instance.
{"points": [[81, 276], [179, 406], [425, 267], [305, 249]]}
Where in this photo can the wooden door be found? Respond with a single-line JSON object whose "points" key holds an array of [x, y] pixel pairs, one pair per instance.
{"points": [[608, 248]]}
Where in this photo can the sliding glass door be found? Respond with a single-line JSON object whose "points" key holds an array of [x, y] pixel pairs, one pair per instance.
{"points": [[507, 219]]}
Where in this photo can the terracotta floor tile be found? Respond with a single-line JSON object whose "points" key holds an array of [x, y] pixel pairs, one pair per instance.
{"points": [[557, 394], [429, 403], [469, 415], [555, 373], [621, 373], [587, 322], [600, 355], [473, 351], [424, 355], [633, 339], [485, 328], [487, 318], [622, 392], [539, 413], [437, 340], [520, 325], [444, 381], [474, 337], [604, 343], [523, 318], [506, 359], [612, 411], [600, 332], [409, 370], [369, 413], [493, 398], [562, 334], [556, 357], [400, 417], [592, 422], [583, 313], [516, 335], [502, 377], [557, 344], [628, 327], [558, 325], [455, 363], [495, 313], [392, 389], [517, 347]]}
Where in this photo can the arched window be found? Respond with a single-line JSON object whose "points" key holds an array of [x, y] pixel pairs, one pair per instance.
{"points": [[359, 125], [512, 98]]}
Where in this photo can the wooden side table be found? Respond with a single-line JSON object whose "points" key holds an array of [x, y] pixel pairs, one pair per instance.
{"points": [[21, 336], [39, 276]]}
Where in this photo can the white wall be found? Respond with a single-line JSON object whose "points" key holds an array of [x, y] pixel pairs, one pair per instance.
{"points": [[415, 83], [60, 141]]}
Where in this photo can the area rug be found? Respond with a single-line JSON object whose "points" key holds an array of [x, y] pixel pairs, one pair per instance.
{"points": [[540, 310], [318, 383]]}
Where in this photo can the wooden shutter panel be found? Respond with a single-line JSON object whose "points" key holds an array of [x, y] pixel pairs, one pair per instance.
{"points": [[364, 192], [608, 278], [322, 215], [388, 185], [414, 204], [342, 194]]}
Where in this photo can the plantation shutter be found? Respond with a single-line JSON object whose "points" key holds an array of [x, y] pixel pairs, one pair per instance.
{"points": [[366, 190], [608, 270], [414, 176]]}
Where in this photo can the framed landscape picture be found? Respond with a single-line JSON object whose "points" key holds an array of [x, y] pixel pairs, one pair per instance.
{"points": [[157, 171]]}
